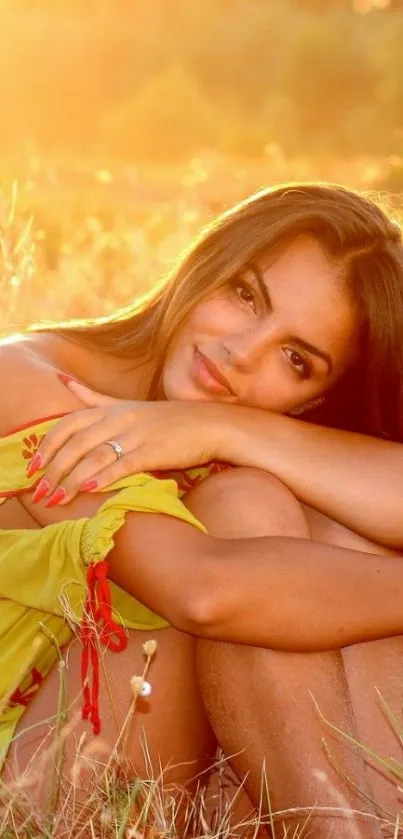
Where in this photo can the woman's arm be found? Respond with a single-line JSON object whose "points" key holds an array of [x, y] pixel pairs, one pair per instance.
{"points": [[354, 479], [283, 593]]}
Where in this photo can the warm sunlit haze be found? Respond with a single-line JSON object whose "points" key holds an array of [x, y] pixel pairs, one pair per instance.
{"points": [[126, 125]]}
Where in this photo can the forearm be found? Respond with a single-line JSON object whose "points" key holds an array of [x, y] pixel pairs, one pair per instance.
{"points": [[354, 479], [274, 592], [304, 596]]}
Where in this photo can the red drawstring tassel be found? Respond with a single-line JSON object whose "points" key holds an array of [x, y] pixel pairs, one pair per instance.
{"points": [[97, 624], [23, 697]]}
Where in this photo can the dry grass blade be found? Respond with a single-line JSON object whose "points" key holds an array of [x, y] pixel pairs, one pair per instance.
{"points": [[17, 251], [119, 807]]}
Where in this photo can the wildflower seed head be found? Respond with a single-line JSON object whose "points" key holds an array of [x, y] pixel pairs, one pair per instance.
{"points": [[149, 648], [106, 816], [136, 684]]}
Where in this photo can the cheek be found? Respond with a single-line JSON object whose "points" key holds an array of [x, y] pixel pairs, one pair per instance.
{"points": [[272, 388], [214, 318]]}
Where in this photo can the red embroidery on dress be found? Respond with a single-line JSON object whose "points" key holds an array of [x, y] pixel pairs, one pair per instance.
{"points": [[218, 466], [23, 697], [31, 444], [186, 481], [97, 625]]}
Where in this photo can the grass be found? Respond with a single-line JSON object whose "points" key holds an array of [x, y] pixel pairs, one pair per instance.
{"points": [[103, 798], [117, 803], [120, 806]]}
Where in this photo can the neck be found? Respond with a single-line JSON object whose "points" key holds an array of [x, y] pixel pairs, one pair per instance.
{"points": [[119, 377]]}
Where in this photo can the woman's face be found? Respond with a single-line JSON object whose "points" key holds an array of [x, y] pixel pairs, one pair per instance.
{"points": [[280, 334]]}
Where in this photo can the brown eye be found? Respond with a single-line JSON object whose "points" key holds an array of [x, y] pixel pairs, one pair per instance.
{"points": [[299, 364], [245, 293]]}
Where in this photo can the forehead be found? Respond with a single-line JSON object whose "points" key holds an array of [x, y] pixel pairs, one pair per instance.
{"points": [[302, 260], [309, 295]]}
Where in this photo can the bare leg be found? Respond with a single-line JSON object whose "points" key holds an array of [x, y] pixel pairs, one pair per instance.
{"points": [[172, 722], [260, 701], [370, 667]]}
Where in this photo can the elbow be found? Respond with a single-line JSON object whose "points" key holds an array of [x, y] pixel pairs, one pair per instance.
{"points": [[201, 615], [200, 607]]}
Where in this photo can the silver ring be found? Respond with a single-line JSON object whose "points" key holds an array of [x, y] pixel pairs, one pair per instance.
{"points": [[117, 448]]}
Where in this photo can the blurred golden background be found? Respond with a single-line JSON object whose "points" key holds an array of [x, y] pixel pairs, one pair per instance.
{"points": [[127, 124]]}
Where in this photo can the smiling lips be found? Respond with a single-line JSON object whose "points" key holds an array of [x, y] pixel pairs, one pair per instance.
{"points": [[209, 376]]}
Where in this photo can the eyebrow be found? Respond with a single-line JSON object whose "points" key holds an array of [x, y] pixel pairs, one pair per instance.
{"points": [[293, 338], [313, 351]]}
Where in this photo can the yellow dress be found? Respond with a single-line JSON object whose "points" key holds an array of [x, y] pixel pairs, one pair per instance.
{"points": [[54, 578]]}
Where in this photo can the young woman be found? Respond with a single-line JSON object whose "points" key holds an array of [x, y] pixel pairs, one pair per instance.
{"points": [[295, 295]]}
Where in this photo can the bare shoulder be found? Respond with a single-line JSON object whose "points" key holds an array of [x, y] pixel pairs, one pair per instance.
{"points": [[29, 386]]}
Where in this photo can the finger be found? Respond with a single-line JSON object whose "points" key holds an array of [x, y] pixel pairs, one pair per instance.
{"points": [[98, 469], [91, 397], [81, 443], [63, 430], [130, 464]]}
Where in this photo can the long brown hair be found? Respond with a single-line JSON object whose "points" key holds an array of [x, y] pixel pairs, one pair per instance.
{"points": [[352, 230]]}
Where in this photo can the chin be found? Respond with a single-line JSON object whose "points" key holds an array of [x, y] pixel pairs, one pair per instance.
{"points": [[174, 391], [188, 392], [186, 395]]}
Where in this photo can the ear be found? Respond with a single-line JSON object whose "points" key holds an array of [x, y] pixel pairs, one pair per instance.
{"points": [[307, 406]]}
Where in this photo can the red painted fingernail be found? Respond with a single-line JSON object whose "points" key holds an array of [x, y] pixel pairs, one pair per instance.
{"points": [[65, 378], [41, 490], [58, 496], [89, 486], [36, 463]]}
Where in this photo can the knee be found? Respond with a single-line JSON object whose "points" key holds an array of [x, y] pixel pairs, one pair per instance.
{"points": [[247, 502], [243, 485]]}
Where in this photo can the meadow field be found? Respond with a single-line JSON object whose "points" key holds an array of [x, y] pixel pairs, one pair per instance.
{"points": [[80, 238]]}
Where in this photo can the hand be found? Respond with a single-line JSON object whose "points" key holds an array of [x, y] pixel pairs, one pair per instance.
{"points": [[153, 436]]}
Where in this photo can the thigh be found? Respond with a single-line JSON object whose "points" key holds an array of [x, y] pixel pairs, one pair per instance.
{"points": [[169, 730], [374, 674]]}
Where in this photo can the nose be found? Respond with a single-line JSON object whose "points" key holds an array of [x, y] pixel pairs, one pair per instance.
{"points": [[247, 349]]}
